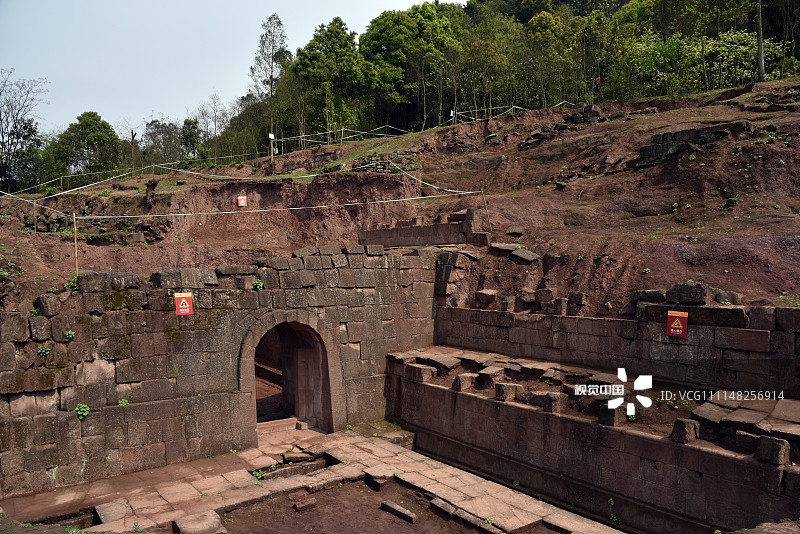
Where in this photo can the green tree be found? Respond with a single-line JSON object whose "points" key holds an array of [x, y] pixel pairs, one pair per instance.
{"points": [[161, 141], [331, 65], [272, 56], [190, 138], [18, 132], [387, 44], [88, 145]]}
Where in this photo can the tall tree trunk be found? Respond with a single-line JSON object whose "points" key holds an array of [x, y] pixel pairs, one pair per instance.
{"points": [[761, 74], [703, 53]]}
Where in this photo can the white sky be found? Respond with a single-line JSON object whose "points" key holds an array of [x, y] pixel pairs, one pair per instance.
{"points": [[130, 61]]}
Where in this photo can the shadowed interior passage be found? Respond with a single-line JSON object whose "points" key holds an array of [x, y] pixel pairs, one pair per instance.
{"points": [[288, 366]]}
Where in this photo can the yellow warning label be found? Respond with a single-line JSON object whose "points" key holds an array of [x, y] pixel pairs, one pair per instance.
{"points": [[184, 304], [677, 323]]}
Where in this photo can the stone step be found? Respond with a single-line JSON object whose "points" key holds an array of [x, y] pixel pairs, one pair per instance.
{"points": [[279, 425]]}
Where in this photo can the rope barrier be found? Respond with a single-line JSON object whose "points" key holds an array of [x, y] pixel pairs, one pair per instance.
{"points": [[32, 202], [93, 183], [435, 186]]}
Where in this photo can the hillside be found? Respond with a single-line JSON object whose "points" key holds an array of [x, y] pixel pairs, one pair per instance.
{"points": [[713, 197]]}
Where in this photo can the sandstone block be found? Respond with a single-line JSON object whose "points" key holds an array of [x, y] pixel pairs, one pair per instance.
{"points": [[168, 279], [685, 430], [49, 304], [772, 450], [14, 327], [464, 381]]}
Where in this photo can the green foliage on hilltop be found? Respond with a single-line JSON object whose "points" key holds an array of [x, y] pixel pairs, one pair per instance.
{"points": [[432, 64]]}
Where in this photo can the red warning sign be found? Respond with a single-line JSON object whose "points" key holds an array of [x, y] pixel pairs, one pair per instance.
{"points": [[241, 200], [677, 323], [183, 304]]}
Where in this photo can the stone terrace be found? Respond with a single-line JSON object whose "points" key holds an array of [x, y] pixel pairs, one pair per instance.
{"points": [[194, 493]]}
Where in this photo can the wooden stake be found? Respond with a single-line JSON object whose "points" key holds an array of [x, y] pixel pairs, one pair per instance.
{"points": [[487, 212], [75, 236]]}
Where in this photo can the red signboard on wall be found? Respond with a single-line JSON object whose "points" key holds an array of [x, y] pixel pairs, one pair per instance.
{"points": [[677, 323], [183, 304], [241, 201]]}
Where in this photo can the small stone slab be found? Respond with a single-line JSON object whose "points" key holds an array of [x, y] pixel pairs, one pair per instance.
{"points": [[788, 410], [537, 368], [315, 449], [503, 248], [491, 371], [240, 478], [509, 366], [726, 399], [398, 436], [554, 374], [399, 511], [789, 431], [205, 523], [474, 256], [709, 413], [443, 506], [296, 457], [305, 504], [525, 256], [178, 493], [114, 510], [604, 378], [515, 231], [764, 405], [477, 358], [743, 419], [441, 361], [379, 472]]}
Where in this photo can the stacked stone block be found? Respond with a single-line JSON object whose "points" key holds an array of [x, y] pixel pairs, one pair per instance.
{"points": [[118, 339], [714, 353], [657, 485]]}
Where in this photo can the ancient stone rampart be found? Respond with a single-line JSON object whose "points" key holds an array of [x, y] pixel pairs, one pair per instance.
{"points": [[162, 388]]}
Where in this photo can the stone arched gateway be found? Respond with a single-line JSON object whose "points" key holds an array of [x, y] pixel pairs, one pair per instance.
{"points": [[164, 388], [318, 390]]}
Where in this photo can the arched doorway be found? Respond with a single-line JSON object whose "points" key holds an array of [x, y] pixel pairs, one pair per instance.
{"points": [[292, 375]]}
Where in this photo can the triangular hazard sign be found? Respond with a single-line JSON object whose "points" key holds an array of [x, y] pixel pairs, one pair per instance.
{"points": [[677, 323], [183, 304]]}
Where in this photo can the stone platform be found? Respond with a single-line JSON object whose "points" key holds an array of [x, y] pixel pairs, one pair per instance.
{"points": [[191, 495]]}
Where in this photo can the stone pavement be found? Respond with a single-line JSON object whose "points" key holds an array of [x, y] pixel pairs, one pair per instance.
{"points": [[192, 494]]}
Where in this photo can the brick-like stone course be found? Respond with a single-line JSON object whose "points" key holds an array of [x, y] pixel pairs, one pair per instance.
{"points": [[660, 485], [712, 353], [118, 337]]}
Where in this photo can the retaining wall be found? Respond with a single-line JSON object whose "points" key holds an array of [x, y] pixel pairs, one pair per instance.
{"points": [[415, 235], [713, 353], [649, 483], [189, 380]]}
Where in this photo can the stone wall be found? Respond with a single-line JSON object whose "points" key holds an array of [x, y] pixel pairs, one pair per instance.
{"points": [[664, 145], [446, 230], [649, 483], [189, 381], [718, 351]]}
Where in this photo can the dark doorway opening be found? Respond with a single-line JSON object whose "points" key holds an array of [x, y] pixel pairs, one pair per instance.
{"points": [[289, 368]]}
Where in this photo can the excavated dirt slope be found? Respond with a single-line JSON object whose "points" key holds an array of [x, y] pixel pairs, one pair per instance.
{"points": [[712, 197]]}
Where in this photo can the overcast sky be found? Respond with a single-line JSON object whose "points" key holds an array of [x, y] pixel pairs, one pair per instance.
{"points": [[130, 61]]}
